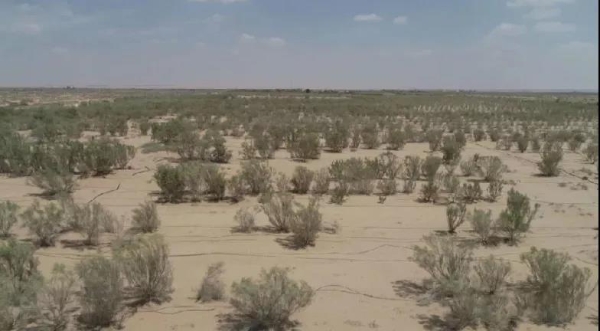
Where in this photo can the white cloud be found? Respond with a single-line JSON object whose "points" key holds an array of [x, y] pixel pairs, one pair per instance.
{"points": [[536, 3], [367, 18], [27, 28], [554, 27], [247, 38], [507, 30], [401, 20], [543, 13], [221, 1], [275, 42]]}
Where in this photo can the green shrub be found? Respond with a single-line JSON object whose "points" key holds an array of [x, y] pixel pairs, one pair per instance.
{"points": [[279, 211], [257, 176], [387, 187], [370, 136], [88, 219], [491, 274], [430, 191], [339, 192], [54, 183], [306, 147], [101, 294], [145, 218], [396, 139], [218, 151], [591, 152], [535, 144], [491, 168], [430, 167], [248, 151], [434, 138], [282, 182], [494, 190], [447, 263], [389, 165], [20, 279], [56, 299], [192, 173], [478, 135], [322, 180], [301, 179], [451, 150], [468, 168], [144, 126], [551, 157], [516, 218], [336, 137], [269, 302], [188, 145], [554, 292], [215, 182], [576, 141], [45, 222], [306, 224], [245, 220], [355, 139], [455, 215], [482, 225], [146, 267], [103, 155], [8, 217], [464, 310], [171, 181], [451, 183], [494, 135], [212, 287], [469, 193], [264, 146], [522, 143]]}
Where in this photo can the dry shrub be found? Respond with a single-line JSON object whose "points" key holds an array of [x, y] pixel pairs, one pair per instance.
{"points": [[145, 218], [245, 220], [516, 218], [305, 147], [494, 190], [101, 296], [491, 168], [430, 167], [409, 186], [257, 176], [339, 193], [412, 168], [56, 299], [8, 217], [54, 183], [212, 287], [455, 215], [171, 181], [306, 224], [469, 193], [430, 191], [20, 279], [551, 155], [322, 181], [387, 187], [215, 182], [236, 188], [44, 222], [591, 152], [301, 179], [146, 267], [483, 225], [279, 211], [491, 274], [468, 167], [269, 302], [434, 138], [88, 219]]}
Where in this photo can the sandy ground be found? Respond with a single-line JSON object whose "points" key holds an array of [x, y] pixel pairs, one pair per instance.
{"points": [[358, 273]]}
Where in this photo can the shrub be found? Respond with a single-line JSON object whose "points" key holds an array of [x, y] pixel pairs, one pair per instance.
{"points": [[336, 138], [56, 298], [535, 144], [464, 310], [554, 292], [306, 224], [301, 179], [469, 193], [257, 176], [212, 287], [468, 167], [20, 279], [355, 138], [245, 220], [482, 225], [279, 211], [144, 126], [478, 135], [491, 274], [451, 183], [591, 152], [389, 165], [409, 186], [447, 263], [214, 141], [491, 168], [146, 267], [396, 139], [269, 302], [430, 191], [430, 167], [101, 295], [322, 181], [339, 193], [551, 157], [455, 215], [88, 219], [145, 218], [434, 138], [53, 182], [494, 190], [171, 181], [8, 217], [248, 151], [576, 141], [370, 136], [412, 167], [264, 146], [306, 147], [451, 150], [215, 182], [193, 180], [44, 222], [236, 188], [103, 155], [516, 218], [188, 145], [522, 143], [387, 187]]}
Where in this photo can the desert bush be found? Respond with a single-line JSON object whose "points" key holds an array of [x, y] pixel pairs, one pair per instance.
{"points": [[468, 167], [430, 191], [236, 188], [491, 274], [451, 150], [455, 215], [491, 168], [216, 152], [269, 302], [215, 182], [535, 144], [56, 299], [145, 218], [478, 135], [591, 152], [145, 265], [43, 222], [340, 192], [522, 143], [396, 139], [282, 182], [20, 279], [8, 217], [389, 165], [387, 187], [369, 135], [257, 176], [193, 180], [430, 167], [245, 220], [554, 292], [451, 183], [482, 225], [188, 145], [212, 287], [447, 263], [306, 147], [516, 218], [171, 181], [167, 132], [464, 310], [551, 157], [409, 186], [279, 211], [434, 138], [307, 224], [301, 179], [264, 146], [88, 219], [144, 126], [103, 155], [505, 142], [412, 167], [336, 138], [494, 190], [576, 141], [322, 181], [494, 135], [54, 183], [469, 192], [355, 139], [248, 151]]}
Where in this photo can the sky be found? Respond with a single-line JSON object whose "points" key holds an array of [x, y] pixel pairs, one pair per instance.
{"points": [[338, 44]]}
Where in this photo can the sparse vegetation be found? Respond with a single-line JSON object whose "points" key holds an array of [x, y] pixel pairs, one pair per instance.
{"points": [[212, 287], [145, 218], [516, 219], [44, 222], [8, 217]]}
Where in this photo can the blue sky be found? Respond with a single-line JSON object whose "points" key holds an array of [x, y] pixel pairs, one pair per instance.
{"points": [[357, 44]]}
